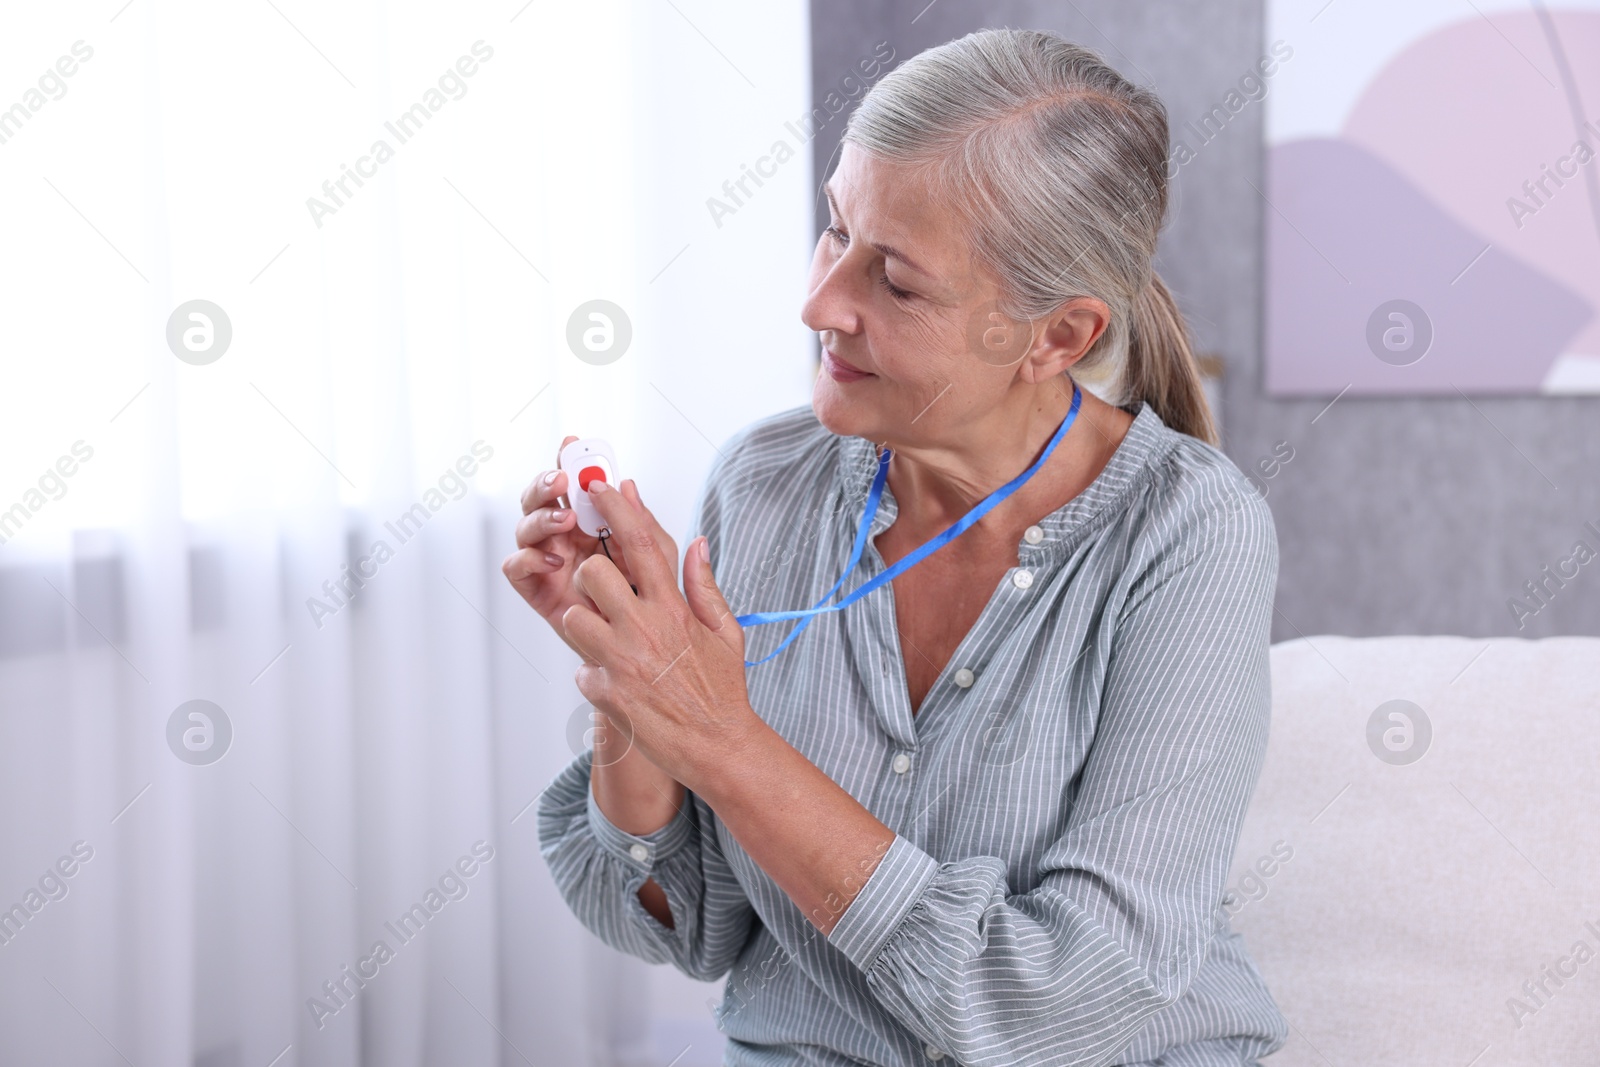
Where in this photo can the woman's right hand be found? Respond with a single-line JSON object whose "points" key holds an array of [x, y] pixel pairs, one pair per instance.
{"points": [[550, 546]]}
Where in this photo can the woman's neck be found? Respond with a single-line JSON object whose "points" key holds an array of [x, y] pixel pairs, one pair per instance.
{"points": [[934, 487]]}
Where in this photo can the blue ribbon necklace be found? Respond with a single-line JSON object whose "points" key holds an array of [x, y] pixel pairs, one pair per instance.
{"points": [[960, 526]]}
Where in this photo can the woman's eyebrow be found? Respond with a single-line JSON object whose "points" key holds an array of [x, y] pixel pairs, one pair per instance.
{"points": [[882, 249]]}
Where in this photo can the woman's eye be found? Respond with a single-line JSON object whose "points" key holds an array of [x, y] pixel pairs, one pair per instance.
{"points": [[893, 290]]}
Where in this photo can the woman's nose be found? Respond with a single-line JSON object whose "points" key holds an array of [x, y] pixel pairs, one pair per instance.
{"points": [[829, 305]]}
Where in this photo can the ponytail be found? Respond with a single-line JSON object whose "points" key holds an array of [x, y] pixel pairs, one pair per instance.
{"points": [[1161, 367]]}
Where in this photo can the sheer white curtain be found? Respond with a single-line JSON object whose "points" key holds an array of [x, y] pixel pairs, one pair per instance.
{"points": [[290, 501]]}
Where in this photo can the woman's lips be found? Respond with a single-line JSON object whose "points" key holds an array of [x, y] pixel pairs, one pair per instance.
{"points": [[841, 371]]}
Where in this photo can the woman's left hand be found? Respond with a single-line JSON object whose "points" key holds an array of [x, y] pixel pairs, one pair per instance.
{"points": [[666, 669]]}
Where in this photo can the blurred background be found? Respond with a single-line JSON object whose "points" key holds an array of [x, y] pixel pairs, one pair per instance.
{"points": [[298, 298]]}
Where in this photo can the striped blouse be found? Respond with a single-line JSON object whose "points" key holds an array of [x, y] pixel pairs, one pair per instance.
{"points": [[1065, 801]]}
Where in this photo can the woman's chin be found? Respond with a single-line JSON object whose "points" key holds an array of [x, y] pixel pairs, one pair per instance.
{"points": [[839, 413]]}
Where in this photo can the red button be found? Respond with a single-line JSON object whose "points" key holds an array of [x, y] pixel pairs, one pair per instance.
{"points": [[590, 474]]}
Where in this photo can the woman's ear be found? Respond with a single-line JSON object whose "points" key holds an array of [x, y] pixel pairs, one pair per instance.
{"points": [[1063, 338]]}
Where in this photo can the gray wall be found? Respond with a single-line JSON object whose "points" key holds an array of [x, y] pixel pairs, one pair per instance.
{"points": [[1395, 515]]}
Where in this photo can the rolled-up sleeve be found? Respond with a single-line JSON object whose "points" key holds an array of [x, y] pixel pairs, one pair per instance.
{"points": [[599, 868], [1123, 912]]}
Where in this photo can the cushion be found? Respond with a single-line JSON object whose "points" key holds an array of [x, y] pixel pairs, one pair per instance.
{"points": [[1418, 877]]}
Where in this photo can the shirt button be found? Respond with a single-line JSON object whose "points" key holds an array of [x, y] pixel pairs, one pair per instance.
{"points": [[1021, 578], [1033, 535], [933, 1053], [902, 763], [639, 852], [965, 677]]}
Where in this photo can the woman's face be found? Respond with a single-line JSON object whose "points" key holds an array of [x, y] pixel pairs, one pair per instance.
{"points": [[894, 293]]}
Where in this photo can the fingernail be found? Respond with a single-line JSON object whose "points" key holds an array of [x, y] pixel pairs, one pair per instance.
{"points": [[705, 550], [550, 479], [597, 486], [559, 514], [552, 559]]}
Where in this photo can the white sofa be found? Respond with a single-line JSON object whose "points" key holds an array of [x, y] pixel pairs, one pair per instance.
{"points": [[1418, 895]]}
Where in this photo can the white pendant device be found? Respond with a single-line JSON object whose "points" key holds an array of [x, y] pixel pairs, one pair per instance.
{"points": [[585, 461]]}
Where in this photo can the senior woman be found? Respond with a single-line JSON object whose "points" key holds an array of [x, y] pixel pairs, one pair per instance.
{"points": [[983, 815]]}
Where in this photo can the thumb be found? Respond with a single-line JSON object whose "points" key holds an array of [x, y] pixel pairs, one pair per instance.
{"points": [[706, 600]]}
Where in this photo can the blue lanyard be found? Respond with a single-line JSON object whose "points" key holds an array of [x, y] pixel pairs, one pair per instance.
{"points": [[914, 558]]}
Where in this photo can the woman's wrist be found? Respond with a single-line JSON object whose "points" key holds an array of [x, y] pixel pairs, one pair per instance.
{"points": [[634, 794]]}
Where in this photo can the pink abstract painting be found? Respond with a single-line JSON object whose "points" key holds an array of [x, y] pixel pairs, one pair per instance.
{"points": [[1432, 200]]}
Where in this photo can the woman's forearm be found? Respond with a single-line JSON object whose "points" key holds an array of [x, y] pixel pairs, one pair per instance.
{"points": [[815, 840], [811, 836], [637, 797]]}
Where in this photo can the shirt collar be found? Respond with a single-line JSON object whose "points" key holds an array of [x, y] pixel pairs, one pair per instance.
{"points": [[1147, 440]]}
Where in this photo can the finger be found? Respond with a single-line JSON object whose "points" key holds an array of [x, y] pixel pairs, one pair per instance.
{"points": [[641, 541], [565, 441], [544, 489], [630, 489], [526, 562], [599, 579], [542, 524], [585, 631], [669, 546], [548, 484], [706, 599]]}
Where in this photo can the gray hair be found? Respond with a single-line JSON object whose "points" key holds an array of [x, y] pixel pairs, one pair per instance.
{"points": [[1057, 166]]}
